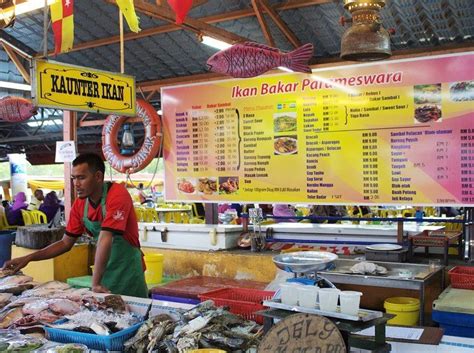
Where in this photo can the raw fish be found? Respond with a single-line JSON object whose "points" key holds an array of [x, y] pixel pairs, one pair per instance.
{"points": [[64, 306], [10, 317], [11, 280]]}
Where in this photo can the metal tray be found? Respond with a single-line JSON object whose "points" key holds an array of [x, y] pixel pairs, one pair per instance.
{"points": [[364, 314], [304, 261]]}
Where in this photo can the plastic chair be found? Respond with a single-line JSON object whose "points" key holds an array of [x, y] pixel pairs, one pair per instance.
{"points": [[38, 217], [139, 212], [4, 223], [150, 215], [27, 219]]}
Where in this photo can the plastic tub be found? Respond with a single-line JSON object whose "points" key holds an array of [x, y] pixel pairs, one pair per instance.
{"points": [[350, 302], [154, 268], [407, 310], [6, 240]]}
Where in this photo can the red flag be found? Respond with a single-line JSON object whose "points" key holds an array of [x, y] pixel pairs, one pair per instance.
{"points": [[181, 8], [62, 19]]}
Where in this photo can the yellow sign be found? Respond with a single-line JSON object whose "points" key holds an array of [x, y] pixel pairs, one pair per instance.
{"points": [[70, 87]]}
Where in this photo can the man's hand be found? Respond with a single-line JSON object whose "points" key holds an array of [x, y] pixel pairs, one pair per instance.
{"points": [[100, 289], [17, 264]]}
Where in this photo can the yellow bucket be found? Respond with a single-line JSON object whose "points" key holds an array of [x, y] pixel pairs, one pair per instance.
{"points": [[407, 310], [207, 350], [154, 268]]}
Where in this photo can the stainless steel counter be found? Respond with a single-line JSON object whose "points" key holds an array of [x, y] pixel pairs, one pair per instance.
{"points": [[421, 276]]}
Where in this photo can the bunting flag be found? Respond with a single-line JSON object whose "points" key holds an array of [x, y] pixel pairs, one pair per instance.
{"points": [[128, 10], [181, 8], [62, 19]]}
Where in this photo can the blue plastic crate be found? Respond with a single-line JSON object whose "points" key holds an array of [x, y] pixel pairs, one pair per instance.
{"points": [[455, 324], [169, 298], [113, 342]]}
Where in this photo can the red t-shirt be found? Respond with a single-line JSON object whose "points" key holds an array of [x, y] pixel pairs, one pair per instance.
{"points": [[120, 216]]}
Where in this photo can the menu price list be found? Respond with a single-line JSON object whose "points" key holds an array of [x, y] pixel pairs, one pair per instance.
{"points": [[467, 165], [199, 131]]}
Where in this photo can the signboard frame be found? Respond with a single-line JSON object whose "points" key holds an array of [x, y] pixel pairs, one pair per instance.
{"points": [[93, 78]]}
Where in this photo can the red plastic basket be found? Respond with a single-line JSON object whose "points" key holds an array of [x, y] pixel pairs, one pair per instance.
{"points": [[241, 301], [462, 277]]}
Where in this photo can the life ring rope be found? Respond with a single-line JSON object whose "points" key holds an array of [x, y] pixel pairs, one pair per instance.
{"points": [[151, 143]]}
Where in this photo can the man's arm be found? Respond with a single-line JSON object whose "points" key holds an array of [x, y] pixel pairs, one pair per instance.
{"points": [[102, 254], [53, 250]]}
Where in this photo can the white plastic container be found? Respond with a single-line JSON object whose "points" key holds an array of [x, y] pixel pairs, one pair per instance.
{"points": [[328, 299], [307, 296], [289, 293], [350, 302]]}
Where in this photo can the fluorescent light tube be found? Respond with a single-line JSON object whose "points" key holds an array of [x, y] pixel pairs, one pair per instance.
{"points": [[215, 43], [17, 86]]}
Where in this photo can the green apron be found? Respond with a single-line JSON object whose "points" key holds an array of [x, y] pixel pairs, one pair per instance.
{"points": [[124, 271]]}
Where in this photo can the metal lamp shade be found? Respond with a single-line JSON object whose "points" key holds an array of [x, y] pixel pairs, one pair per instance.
{"points": [[366, 39]]}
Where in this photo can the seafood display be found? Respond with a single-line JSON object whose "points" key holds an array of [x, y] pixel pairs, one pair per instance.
{"points": [[427, 113], [207, 186], [49, 302], [228, 185], [284, 123], [204, 326], [13, 341], [462, 91], [285, 145], [186, 186]]}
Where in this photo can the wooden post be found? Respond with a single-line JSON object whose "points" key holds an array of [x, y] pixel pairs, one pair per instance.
{"points": [[400, 232], [211, 213], [69, 134]]}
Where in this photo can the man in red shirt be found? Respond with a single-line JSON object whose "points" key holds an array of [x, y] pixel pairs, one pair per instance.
{"points": [[105, 211]]}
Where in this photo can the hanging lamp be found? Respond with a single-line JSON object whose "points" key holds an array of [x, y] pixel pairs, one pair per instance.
{"points": [[366, 39]]}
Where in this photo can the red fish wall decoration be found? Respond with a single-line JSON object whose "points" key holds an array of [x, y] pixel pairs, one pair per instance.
{"points": [[181, 8], [16, 109], [252, 59]]}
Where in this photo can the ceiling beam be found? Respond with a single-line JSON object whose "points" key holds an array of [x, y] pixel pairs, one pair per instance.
{"points": [[257, 8], [16, 60], [194, 25], [327, 62], [287, 32], [228, 16]]}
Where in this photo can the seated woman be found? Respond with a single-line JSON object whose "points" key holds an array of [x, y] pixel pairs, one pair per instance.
{"points": [[50, 205], [14, 216], [283, 210]]}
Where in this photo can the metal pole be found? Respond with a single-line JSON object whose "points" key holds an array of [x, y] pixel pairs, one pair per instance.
{"points": [[122, 52], [45, 29]]}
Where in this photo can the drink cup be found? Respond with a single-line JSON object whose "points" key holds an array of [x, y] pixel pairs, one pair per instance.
{"points": [[289, 293], [350, 302], [307, 296], [434, 264], [328, 299]]}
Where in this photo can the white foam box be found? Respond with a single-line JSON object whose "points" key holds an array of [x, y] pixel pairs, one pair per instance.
{"points": [[189, 236]]}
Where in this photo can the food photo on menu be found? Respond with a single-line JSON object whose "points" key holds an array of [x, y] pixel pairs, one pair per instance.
{"points": [[207, 186], [461, 91], [427, 103], [285, 145], [284, 122], [186, 185], [228, 185]]}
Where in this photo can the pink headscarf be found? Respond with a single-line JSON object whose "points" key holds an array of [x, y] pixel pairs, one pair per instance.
{"points": [[283, 210], [20, 201]]}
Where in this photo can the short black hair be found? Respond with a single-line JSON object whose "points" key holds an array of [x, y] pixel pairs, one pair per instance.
{"points": [[94, 161]]}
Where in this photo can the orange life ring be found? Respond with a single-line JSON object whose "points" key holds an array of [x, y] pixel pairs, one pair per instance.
{"points": [[149, 149]]}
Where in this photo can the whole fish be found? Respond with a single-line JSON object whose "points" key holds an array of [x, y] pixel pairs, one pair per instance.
{"points": [[252, 59], [16, 109]]}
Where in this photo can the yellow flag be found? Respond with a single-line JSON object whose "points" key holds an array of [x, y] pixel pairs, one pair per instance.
{"points": [[128, 10]]}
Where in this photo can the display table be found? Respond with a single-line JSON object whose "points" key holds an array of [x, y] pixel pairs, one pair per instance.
{"points": [[422, 275], [436, 239], [74, 263]]}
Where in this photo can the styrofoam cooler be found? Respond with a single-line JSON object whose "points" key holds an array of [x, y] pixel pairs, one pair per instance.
{"points": [[189, 236], [454, 311]]}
